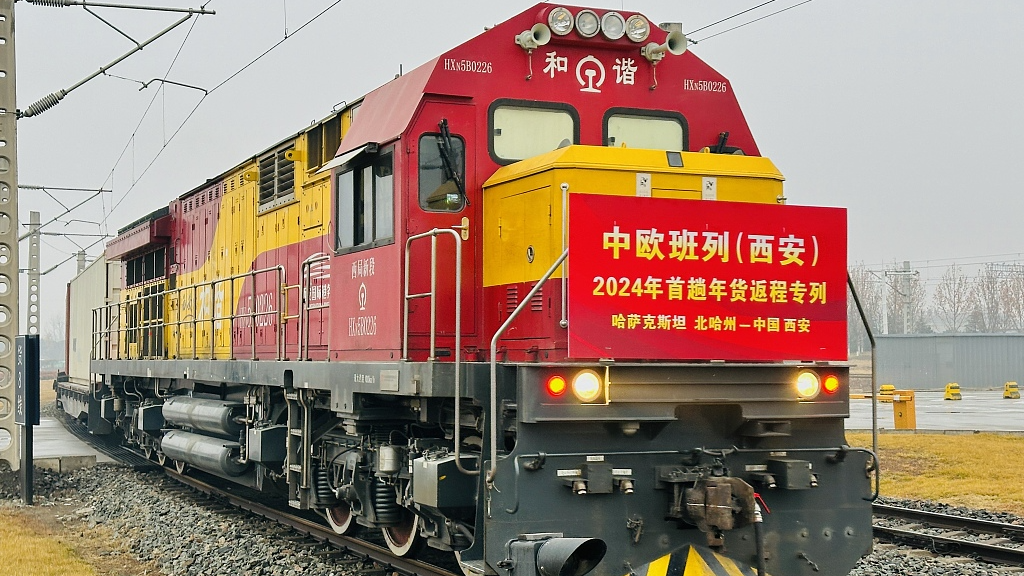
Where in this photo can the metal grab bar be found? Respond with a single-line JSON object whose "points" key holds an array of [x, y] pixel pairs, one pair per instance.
{"points": [[304, 307], [457, 353], [115, 310], [494, 362]]}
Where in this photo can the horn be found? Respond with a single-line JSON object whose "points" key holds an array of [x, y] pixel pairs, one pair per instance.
{"points": [[675, 43], [535, 37]]}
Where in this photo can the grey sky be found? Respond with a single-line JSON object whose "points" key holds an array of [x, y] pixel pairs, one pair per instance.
{"points": [[907, 112]]}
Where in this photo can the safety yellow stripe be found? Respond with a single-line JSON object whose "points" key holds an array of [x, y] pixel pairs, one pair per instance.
{"points": [[695, 561], [659, 567]]}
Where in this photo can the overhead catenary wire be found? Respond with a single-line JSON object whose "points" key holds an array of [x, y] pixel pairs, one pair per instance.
{"points": [[201, 100], [750, 22], [729, 17]]}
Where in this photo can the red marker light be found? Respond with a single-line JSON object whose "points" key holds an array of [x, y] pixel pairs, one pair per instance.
{"points": [[556, 386], [831, 384]]}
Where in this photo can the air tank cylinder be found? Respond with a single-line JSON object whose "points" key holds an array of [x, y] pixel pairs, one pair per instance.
{"points": [[210, 454], [215, 416]]}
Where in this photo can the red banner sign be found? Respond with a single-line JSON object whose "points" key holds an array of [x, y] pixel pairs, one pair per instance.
{"points": [[664, 279]]}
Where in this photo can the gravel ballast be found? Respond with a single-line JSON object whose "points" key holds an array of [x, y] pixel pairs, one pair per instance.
{"points": [[160, 521]]}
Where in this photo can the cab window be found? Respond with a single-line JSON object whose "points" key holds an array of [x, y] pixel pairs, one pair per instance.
{"points": [[645, 129], [520, 130], [365, 202], [442, 170]]}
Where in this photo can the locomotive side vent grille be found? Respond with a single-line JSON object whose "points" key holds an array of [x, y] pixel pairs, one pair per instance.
{"points": [[266, 178], [537, 302], [511, 298]]}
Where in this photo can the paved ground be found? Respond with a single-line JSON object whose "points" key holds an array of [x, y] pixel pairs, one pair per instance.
{"points": [[51, 440], [983, 410]]}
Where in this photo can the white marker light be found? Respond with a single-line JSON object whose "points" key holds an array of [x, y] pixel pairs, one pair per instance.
{"points": [[587, 23], [613, 25], [560, 21], [638, 28]]}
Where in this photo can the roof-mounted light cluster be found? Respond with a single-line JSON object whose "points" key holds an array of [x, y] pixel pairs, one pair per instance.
{"points": [[561, 22], [588, 24]]}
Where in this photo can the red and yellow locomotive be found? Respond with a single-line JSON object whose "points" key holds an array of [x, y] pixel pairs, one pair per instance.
{"points": [[539, 302]]}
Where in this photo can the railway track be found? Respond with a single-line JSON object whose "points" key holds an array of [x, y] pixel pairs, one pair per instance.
{"points": [[358, 548], [984, 540], [385, 563]]}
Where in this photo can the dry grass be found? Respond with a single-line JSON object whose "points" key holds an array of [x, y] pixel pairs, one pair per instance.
{"points": [[27, 553], [978, 471]]}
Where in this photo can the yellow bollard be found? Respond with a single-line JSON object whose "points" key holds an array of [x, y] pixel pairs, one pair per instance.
{"points": [[904, 411], [885, 392], [953, 392], [1010, 391]]}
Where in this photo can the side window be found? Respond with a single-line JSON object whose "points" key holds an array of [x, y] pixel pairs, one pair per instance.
{"points": [[365, 203], [520, 130], [645, 129], [440, 173]]}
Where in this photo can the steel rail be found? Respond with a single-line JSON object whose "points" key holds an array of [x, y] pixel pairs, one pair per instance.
{"points": [[316, 531], [1012, 531], [979, 550]]}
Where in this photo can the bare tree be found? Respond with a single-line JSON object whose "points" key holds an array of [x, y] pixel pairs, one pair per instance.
{"points": [[987, 313], [953, 300], [870, 293], [1011, 294]]}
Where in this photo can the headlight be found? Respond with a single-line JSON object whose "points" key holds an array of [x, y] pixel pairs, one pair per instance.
{"points": [[560, 21], [638, 28], [613, 25], [831, 384], [807, 385], [587, 23], [587, 386]]}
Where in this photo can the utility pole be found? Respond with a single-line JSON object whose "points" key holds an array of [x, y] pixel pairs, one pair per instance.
{"points": [[904, 273], [10, 438], [80, 261]]}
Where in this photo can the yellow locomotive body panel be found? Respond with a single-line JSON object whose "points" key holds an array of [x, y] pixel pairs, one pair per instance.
{"points": [[523, 201]]}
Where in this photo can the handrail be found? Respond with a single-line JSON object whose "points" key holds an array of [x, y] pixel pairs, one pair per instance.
{"points": [[305, 308], [194, 321], [494, 361], [874, 394], [457, 353]]}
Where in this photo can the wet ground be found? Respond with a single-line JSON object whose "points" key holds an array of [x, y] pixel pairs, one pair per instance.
{"points": [[983, 410]]}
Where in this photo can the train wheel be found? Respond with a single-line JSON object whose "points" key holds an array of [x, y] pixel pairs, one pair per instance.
{"points": [[341, 519], [180, 466], [161, 458], [148, 452], [404, 538]]}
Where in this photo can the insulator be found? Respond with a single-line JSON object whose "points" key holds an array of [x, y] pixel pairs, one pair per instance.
{"points": [[51, 3], [385, 504], [44, 104], [324, 494]]}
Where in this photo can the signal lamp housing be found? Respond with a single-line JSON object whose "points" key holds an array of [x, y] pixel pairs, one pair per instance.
{"points": [[587, 23], [588, 386], [830, 384], [613, 25], [556, 385], [638, 28], [561, 21], [808, 385]]}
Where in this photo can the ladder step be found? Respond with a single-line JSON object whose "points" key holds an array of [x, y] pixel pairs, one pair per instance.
{"points": [[295, 467], [295, 432]]}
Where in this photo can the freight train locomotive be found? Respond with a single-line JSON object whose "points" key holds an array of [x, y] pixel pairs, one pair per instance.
{"points": [[539, 302]]}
